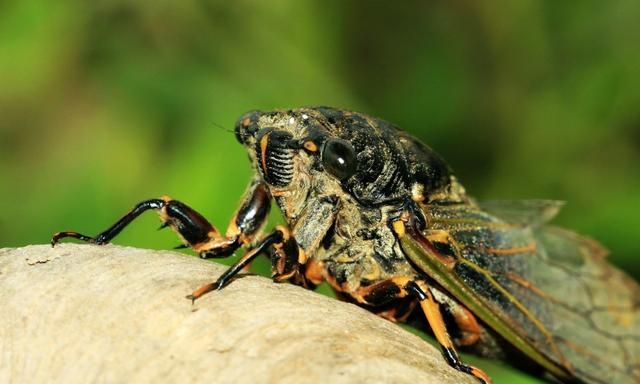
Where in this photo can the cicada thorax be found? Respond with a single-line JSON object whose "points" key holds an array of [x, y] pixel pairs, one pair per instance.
{"points": [[361, 249], [390, 163]]}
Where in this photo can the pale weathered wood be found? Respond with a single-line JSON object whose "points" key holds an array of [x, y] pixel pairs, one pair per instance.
{"points": [[110, 314]]}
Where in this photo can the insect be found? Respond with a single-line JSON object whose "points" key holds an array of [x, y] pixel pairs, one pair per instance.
{"points": [[382, 218]]}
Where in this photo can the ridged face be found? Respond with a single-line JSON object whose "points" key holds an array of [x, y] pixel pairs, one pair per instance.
{"points": [[315, 147], [274, 155], [269, 139]]}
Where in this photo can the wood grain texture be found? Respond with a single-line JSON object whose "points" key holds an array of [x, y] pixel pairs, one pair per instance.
{"points": [[111, 314]]}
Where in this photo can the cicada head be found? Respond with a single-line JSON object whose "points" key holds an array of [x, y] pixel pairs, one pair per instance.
{"points": [[315, 152]]}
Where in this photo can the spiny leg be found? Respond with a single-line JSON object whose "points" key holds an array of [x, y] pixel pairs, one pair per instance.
{"points": [[287, 258], [111, 232], [290, 261], [276, 237], [431, 309], [192, 227], [396, 288], [387, 298], [247, 222]]}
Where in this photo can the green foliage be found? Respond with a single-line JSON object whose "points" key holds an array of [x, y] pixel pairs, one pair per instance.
{"points": [[104, 104]]}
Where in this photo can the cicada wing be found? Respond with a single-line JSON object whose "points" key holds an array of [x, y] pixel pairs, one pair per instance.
{"points": [[547, 291], [524, 212], [594, 307]]}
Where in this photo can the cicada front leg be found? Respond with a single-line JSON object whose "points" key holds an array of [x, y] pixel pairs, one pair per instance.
{"points": [[286, 257], [196, 232], [276, 237], [293, 259]]}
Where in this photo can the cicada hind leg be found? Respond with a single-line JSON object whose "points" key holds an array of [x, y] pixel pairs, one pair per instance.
{"points": [[433, 313], [400, 288]]}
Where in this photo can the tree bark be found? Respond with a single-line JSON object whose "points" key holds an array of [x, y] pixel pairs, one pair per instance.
{"points": [[86, 313]]}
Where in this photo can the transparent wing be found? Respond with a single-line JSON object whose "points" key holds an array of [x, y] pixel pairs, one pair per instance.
{"points": [[525, 212], [546, 290], [594, 307]]}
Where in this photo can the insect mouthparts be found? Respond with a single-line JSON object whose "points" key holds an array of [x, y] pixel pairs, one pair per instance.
{"points": [[275, 156]]}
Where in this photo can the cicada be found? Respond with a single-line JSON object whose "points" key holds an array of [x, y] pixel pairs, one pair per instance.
{"points": [[382, 218]]}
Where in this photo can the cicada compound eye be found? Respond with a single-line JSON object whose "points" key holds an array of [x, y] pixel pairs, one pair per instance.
{"points": [[339, 158]]}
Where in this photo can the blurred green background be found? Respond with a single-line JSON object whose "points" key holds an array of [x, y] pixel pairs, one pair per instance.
{"points": [[106, 103]]}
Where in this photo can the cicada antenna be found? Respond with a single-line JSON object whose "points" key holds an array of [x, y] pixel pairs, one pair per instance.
{"points": [[222, 127]]}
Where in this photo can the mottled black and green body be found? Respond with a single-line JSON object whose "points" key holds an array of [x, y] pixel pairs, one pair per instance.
{"points": [[382, 218]]}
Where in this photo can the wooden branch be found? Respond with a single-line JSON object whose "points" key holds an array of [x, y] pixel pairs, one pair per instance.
{"points": [[86, 313]]}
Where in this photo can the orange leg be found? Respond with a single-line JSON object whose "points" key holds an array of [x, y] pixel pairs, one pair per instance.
{"points": [[276, 237], [286, 257], [395, 288], [468, 325], [431, 309]]}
